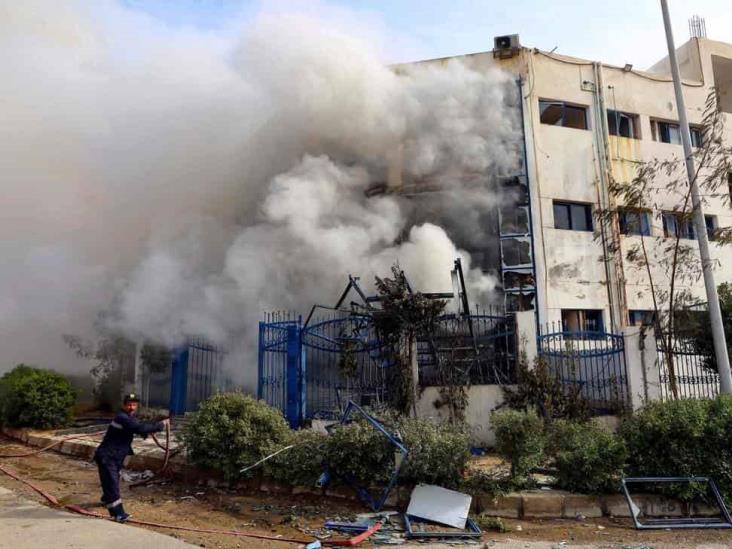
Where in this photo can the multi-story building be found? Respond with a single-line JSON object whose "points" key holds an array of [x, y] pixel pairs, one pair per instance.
{"points": [[585, 124]]}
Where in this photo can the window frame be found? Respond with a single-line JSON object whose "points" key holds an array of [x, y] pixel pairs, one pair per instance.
{"points": [[643, 215], [569, 205], [564, 105], [689, 231], [711, 224], [633, 123], [583, 320], [696, 132], [647, 317]]}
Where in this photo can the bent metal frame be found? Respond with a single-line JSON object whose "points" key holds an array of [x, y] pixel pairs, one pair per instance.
{"points": [[723, 521]]}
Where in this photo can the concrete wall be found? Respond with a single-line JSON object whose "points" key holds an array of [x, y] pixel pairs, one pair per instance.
{"points": [[483, 399]]}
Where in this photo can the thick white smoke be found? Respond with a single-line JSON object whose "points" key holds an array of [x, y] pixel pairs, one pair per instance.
{"points": [[187, 183]]}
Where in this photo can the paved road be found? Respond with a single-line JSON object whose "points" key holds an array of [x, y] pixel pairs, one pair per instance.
{"points": [[25, 524]]}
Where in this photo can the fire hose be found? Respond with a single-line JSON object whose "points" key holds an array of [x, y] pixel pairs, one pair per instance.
{"points": [[86, 512]]}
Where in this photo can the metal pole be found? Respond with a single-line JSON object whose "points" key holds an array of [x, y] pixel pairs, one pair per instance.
{"points": [[715, 314]]}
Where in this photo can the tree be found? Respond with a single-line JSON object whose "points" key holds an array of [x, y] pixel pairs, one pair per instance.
{"points": [[403, 317], [660, 188]]}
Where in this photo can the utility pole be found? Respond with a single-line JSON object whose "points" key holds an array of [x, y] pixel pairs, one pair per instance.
{"points": [[715, 314]]}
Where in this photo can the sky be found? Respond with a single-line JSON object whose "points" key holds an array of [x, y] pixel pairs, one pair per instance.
{"points": [[619, 32]]}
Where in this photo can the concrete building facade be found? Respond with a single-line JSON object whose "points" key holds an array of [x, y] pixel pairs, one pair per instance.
{"points": [[587, 123]]}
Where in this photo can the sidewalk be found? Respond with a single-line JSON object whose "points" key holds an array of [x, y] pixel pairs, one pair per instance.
{"points": [[25, 524]]}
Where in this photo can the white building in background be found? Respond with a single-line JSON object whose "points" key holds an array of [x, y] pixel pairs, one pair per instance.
{"points": [[586, 122]]}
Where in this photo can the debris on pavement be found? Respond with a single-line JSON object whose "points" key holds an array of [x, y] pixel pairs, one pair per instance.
{"points": [[440, 505], [136, 476]]}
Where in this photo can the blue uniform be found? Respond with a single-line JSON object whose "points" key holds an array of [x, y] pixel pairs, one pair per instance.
{"points": [[115, 447]]}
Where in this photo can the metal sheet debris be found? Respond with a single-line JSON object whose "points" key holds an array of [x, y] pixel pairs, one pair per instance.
{"points": [[440, 505]]}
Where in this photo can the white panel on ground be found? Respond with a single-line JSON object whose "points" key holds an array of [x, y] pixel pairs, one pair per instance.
{"points": [[439, 505]]}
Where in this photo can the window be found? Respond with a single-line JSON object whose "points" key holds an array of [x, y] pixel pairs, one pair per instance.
{"points": [[669, 132], [514, 220], [634, 222], [513, 280], [711, 222], [676, 224], [665, 132], [516, 252], [641, 318], [623, 124], [572, 216], [582, 320], [697, 139], [558, 113]]}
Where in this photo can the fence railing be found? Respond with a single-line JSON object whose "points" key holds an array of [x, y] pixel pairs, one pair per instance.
{"points": [[481, 346], [593, 362], [685, 370], [313, 371]]}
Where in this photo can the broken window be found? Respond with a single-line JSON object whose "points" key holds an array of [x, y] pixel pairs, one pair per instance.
{"points": [[516, 189], [516, 301], [513, 280], [572, 216], [635, 222], [516, 252], [623, 124], [515, 220], [582, 320], [677, 224], [641, 318], [558, 113], [670, 132]]}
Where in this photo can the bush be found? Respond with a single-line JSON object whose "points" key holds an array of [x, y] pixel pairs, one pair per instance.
{"points": [[682, 438], [588, 458], [519, 439], [231, 431], [32, 397], [359, 453], [301, 465], [438, 452]]}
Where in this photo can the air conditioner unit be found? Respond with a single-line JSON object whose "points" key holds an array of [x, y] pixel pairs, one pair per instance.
{"points": [[506, 46]]}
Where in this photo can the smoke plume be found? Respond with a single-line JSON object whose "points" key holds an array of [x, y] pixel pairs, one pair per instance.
{"points": [[183, 183]]}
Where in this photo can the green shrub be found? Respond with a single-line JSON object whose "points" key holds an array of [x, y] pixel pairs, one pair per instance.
{"points": [[32, 397], [519, 439], [359, 452], [588, 458], [302, 464], [682, 438], [231, 431], [438, 452]]}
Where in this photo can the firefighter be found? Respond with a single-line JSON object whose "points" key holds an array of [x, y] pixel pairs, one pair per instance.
{"points": [[115, 447]]}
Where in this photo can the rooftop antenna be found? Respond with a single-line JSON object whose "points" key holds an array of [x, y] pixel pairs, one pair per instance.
{"points": [[697, 27]]}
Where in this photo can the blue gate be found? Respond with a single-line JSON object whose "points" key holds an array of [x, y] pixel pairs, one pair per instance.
{"points": [[196, 374], [313, 371], [594, 362]]}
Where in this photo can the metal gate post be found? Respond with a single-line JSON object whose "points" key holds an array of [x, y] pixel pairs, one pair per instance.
{"points": [[179, 381], [293, 405]]}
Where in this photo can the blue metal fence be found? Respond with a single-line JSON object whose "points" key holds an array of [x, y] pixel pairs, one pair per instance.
{"points": [[314, 370], [196, 374], [594, 362]]}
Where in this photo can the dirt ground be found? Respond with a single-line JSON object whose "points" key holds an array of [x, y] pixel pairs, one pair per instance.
{"points": [[75, 481]]}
